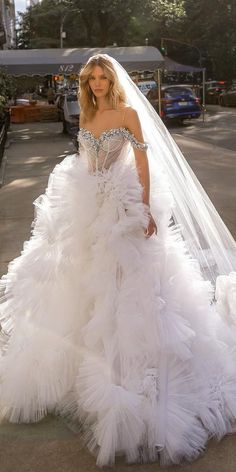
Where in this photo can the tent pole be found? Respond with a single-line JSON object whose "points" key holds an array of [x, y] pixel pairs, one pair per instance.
{"points": [[203, 93], [159, 91]]}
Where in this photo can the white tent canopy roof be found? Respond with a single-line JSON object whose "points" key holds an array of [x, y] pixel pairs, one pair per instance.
{"points": [[69, 61]]}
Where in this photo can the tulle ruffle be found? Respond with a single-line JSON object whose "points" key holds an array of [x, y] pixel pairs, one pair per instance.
{"points": [[117, 331]]}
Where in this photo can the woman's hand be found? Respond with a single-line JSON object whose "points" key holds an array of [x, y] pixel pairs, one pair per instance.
{"points": [[152, 227]]}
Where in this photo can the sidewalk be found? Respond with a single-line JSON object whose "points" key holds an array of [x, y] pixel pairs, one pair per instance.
{"points": [[35, 149]]}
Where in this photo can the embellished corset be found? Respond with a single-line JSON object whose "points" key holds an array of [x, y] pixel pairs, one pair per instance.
{"points": [[105, 150]]}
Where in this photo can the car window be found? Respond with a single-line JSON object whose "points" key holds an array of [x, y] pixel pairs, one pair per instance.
{"points": [[179, 92]]}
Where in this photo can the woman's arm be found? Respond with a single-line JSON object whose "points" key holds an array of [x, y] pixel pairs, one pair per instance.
{"points": [[133, 124]]}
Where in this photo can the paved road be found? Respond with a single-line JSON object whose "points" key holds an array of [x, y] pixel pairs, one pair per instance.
{"points": [[218, 128], [35, 149], [210, 148]]}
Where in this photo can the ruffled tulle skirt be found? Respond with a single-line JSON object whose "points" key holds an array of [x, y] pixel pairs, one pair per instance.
{"points": [[117, 332]]}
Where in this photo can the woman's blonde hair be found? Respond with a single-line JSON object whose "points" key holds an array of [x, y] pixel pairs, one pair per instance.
{"points": [[116, 93]]}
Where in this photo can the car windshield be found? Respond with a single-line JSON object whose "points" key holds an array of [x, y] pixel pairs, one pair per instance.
{"points": [[179, 92]]}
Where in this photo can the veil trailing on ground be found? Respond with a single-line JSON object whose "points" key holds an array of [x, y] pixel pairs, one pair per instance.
{"points": [[207, 238]]}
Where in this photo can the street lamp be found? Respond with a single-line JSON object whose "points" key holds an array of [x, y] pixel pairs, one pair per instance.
{"points": [[64, 13], [62, 32]]}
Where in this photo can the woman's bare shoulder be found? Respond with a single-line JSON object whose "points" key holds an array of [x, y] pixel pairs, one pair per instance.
{"points": [[126, 107], [132, 123], [131, 114]]}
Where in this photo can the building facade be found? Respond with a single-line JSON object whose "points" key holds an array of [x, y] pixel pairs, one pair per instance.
{"points": [[7, 24]]}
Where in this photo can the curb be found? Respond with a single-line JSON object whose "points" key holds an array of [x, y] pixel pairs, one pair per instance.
{"points": [[3, 169], [4, 163]]}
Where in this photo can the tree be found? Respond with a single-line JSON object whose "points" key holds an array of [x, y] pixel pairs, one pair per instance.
{"points": [[40, 24], [95, 23], [111, 21], [209, 26]]}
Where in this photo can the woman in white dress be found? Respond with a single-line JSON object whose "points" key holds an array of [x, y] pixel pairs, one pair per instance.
{"points": [[107, 316]]}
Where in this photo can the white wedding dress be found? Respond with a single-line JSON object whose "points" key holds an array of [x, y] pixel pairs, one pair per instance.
{"points": [[119, 332]]}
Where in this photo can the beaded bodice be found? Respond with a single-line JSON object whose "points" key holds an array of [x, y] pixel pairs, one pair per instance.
{"points": [[103, 151]]}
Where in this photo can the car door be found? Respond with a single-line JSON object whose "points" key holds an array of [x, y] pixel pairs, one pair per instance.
{"points": [[152, 96], [231, 96], [234, 96]]}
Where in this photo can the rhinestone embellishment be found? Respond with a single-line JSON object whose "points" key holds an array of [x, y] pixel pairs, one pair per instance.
{"points": [[96, 142]]}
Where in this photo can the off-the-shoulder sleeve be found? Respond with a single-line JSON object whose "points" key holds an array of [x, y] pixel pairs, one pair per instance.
{"points": [[134, 142]]}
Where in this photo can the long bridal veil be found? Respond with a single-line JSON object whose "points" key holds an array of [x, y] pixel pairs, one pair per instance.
{"points": [[206, 236]]}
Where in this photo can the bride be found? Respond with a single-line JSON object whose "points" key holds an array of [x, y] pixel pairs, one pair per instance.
{"points": [[110, 315]]}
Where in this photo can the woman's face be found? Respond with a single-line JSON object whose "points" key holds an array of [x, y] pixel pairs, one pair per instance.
{"points": [[98, 82]]}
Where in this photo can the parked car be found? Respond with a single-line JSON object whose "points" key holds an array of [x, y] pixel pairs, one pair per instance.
{"points": [[213, 93], [214, 83], [228, 97], [177, 102], [69, 113]]}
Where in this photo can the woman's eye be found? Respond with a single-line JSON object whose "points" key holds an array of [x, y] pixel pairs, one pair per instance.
{"points": [[101, 78]]}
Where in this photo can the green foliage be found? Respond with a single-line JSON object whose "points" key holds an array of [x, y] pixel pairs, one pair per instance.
{"points": [[7, 84], [168, 12], [40, 25], [211, 25], [7, 87], [87, 24], [3, 102], [205, 25]]}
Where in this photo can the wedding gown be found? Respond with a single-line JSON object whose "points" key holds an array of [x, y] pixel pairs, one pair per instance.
{"points": [[119, 332]]}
